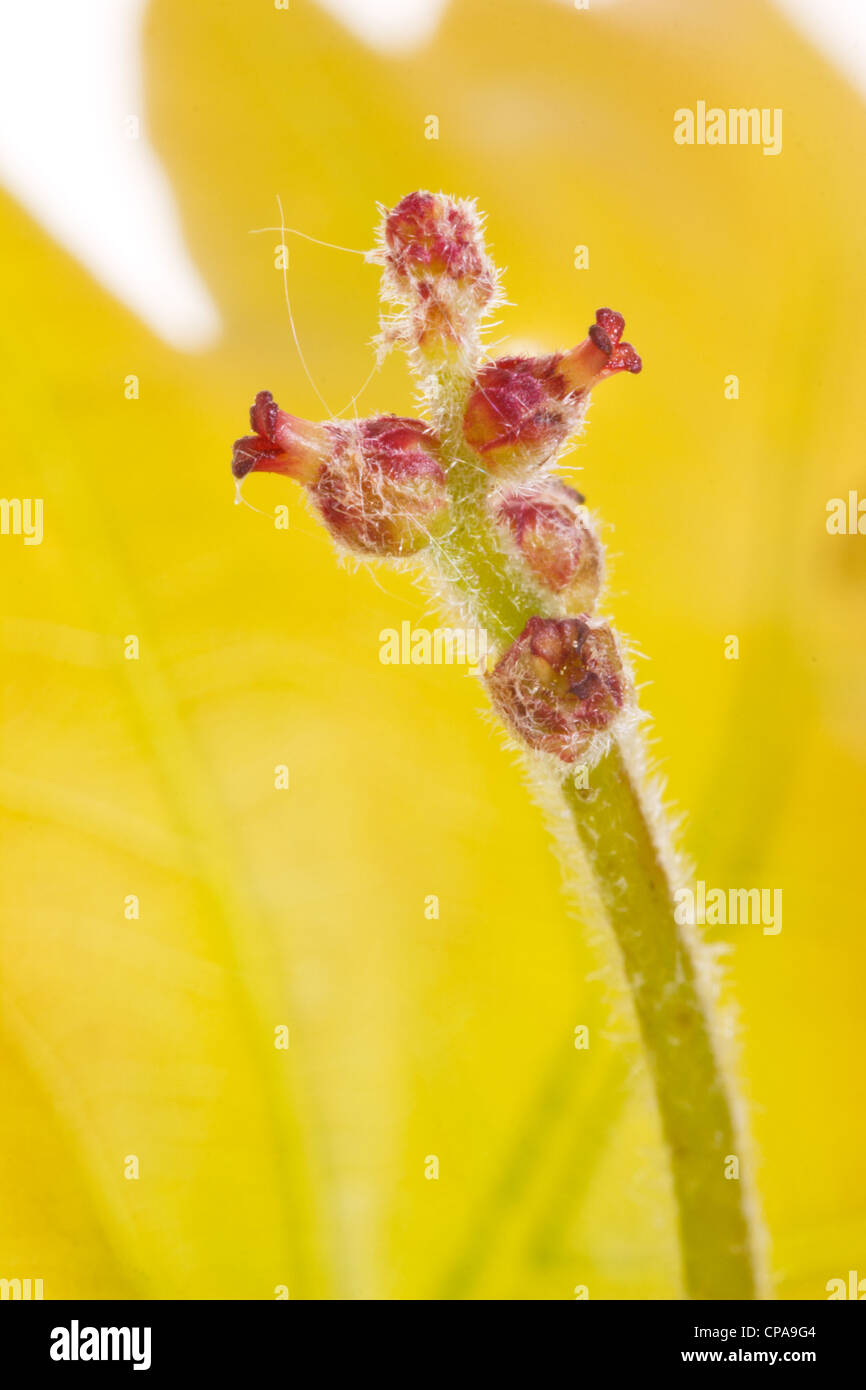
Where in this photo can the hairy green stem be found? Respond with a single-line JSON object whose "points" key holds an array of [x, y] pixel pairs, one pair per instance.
{"points": [[662, 970], [614, 829]]}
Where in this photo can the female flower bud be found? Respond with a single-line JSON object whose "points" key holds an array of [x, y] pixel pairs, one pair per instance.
{"points": [[560, 685], [379, 485], [382, 489], [549, 527], [437, 270], [521, 410]]}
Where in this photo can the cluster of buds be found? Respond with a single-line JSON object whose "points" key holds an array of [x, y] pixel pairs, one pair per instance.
{"points": [[381, 485]]}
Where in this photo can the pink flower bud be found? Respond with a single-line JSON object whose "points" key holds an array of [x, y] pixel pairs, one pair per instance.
{"points": [[519, 414], [430, 238], [379, 484], [560, 685], [521, 410], [436, 268], [548, 526], [382, 490]]}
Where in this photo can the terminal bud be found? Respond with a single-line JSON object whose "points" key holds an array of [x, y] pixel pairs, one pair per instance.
{"points": [[437, 270]]}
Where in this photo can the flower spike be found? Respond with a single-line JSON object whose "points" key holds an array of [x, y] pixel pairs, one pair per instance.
{"points": [[514, 551]]}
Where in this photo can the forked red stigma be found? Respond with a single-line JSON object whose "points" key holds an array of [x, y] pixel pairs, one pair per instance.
{"points": [[281, 444]]}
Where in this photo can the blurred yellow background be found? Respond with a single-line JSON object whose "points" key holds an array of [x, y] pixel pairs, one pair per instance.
{"points": [[260, 907]]}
